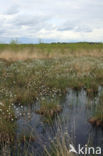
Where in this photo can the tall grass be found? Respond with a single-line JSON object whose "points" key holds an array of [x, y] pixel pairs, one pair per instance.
{"points": [[16, 51]]}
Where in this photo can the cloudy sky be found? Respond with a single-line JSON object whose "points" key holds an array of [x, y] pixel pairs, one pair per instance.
{"points": [[51, 20]]}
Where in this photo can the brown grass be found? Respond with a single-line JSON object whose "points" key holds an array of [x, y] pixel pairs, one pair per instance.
{"points": [[21, 55], [43, 54]]}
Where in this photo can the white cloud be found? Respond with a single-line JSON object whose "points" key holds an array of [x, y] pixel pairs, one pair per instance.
{"points": [[58, 20]]}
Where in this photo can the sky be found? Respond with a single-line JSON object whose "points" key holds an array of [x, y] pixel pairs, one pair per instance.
{"points": [[33, 21]]}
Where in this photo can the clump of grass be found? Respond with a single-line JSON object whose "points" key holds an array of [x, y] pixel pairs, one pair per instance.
{"points": [[59, 145], [27, 139], [99, 108], [24, 96], [49, 108], [97, 118], [56, 145], [7, 123]]}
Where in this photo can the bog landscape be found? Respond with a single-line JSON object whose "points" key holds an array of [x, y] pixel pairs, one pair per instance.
{"points": [[51, 96]]}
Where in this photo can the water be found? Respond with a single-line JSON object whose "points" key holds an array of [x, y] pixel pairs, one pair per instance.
{"points": [[77, 109]]}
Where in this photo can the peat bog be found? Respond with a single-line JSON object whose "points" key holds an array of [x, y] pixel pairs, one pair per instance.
{"points": [[50, 95]]}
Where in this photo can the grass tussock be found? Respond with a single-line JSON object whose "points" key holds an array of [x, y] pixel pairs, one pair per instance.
{"points": [[59, 146], [49, 108], [97, 118], [7, 123]]}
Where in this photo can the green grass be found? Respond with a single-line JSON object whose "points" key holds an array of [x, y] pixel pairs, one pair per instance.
{"points": [[7, 123], [49, 108], [99, 109], [72, 46]]}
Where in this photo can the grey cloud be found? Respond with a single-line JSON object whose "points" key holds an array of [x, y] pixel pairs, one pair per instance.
{"points": [[66, 28], [1, 32], [13, 10], [29, 20], [83, 28]]}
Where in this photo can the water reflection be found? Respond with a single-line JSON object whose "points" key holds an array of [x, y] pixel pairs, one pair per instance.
{"points": [[77, 109]]}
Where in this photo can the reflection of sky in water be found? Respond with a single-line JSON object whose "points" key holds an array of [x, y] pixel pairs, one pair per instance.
{"points": [[77, 109]]}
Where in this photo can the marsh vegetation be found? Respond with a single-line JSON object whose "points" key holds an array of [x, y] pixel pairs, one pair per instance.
{"points": [[41, 75]]}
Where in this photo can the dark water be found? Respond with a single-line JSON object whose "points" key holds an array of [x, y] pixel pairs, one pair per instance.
{"points": [[77, 109]]}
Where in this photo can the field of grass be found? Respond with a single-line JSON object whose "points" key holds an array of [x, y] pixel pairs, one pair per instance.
{"points": [[30, 72], [15, 51]]}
